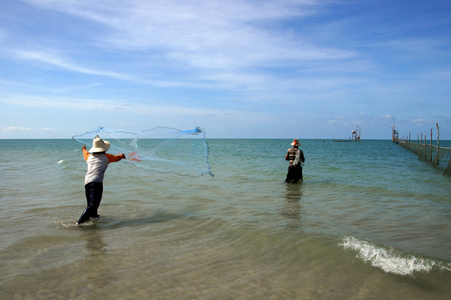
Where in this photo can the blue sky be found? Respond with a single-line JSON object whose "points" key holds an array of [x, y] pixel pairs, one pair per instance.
{"points": [[238, 69]]}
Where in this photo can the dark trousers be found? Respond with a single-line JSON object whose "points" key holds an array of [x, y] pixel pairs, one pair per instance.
{"points": [[294, 174], [93, 191]]}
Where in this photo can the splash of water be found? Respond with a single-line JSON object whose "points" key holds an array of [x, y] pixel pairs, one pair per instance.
{"points": [[391, 260]]}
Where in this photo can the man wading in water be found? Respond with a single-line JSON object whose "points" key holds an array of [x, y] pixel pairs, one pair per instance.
{"points": [[295, 156], [97, 160]]}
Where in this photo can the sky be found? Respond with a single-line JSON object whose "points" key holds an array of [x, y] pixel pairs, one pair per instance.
{"points": [[238, 69]]}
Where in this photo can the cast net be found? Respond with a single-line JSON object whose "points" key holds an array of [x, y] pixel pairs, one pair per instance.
{"points": [[160, 149]]}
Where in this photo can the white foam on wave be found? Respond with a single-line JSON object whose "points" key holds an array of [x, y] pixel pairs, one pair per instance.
{"points": [[391, 260], [61, 161]]}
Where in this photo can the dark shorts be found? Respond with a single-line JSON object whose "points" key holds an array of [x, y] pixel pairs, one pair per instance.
{"points": [[294, 174]]}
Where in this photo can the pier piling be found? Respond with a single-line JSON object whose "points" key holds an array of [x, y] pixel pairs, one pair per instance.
{"points": [[420, 148]]}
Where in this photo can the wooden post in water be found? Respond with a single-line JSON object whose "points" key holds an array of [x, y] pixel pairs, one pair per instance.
{"points": [[431, 146], [418, 144], [410, 141], [436, 160], [425, 147], [438, 144], [420, 153]]}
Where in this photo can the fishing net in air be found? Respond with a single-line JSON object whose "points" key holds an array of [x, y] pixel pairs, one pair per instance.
{"points": [[159, 149]]}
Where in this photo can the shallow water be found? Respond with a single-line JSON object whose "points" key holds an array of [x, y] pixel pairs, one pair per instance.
{"points": [[370, 220]]}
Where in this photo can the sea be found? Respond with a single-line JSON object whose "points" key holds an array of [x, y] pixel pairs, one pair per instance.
{"points": [[369, 221]]}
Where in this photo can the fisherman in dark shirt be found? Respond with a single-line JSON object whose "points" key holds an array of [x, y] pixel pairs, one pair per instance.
{"points": [[296, 157]]}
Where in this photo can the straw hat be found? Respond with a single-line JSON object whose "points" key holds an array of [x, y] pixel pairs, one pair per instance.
{"points": [[295, 143], [99, 145]]}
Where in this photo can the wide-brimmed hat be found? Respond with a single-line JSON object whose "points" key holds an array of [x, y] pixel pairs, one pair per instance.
{"points": [[99, 145], [295, 142]]}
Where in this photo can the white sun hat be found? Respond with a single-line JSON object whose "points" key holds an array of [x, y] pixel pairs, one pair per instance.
{"points": [[99, 145]]}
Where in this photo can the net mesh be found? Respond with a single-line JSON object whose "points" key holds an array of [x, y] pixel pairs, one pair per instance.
{"points": [[160, 149]]}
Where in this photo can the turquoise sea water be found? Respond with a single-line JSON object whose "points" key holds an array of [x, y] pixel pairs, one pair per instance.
{"points": [[370, 221]]}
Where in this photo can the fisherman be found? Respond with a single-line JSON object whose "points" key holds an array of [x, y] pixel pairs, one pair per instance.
{"points": [[296, 157], [97, 160]]}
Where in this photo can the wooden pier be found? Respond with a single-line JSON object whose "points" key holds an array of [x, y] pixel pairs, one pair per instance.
{"points": [[426, 151]]}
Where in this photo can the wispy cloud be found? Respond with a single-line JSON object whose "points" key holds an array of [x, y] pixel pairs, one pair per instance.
{"points": [[421, 122], [210, 35], [70, 104], [232, 45], [57, 61], [123, 107]]}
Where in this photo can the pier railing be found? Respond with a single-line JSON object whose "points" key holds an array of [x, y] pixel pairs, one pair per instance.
{"points": [[427, 151]]}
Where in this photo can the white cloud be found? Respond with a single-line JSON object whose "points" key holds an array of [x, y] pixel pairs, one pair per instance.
{"points": [[422, 122], [15, 128]]}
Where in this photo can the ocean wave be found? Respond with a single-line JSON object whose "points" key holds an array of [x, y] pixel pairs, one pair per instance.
{"points": [[391, 260]]}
